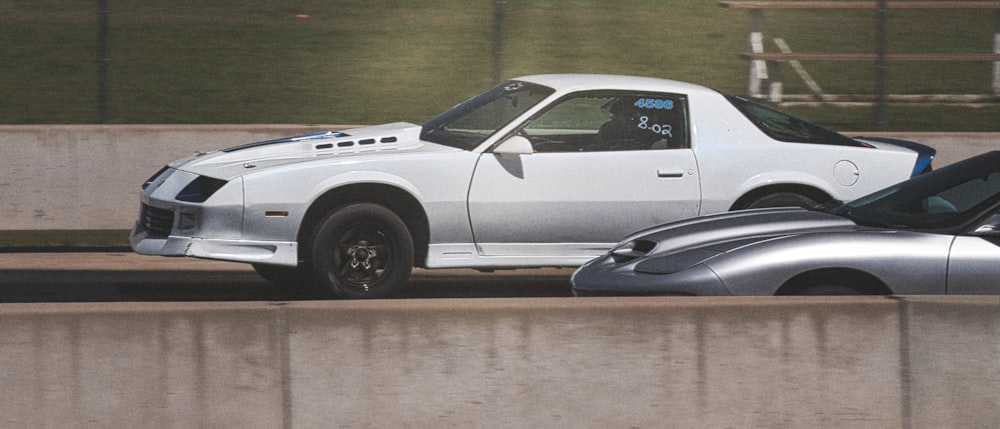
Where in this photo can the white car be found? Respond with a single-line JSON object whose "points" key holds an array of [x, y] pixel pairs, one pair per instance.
{"points": [[547, 170]]}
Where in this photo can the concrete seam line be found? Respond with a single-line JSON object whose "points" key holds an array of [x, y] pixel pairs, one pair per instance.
{"points": [[281, 326], [905, 371]]}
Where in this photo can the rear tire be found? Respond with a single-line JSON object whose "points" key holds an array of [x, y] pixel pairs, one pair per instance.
{"points": [[782, 199], [361, 251]]}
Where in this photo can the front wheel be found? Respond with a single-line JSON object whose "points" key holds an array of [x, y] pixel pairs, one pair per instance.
{"points": [[828, 289], [361, 251]]}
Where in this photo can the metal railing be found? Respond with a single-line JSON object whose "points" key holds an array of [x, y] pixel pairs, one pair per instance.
{"points": [[765, 66]]}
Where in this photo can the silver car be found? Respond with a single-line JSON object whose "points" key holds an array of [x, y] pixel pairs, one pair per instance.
{"points": [[547, 170], [938, 233]]}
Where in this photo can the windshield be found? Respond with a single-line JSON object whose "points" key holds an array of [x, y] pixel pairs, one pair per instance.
{"points": [[469, 123], [941, 200], [787, 128]]}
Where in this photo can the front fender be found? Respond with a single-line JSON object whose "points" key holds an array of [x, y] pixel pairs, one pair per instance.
{"points": [[910, 263], [276, 205], [439, 182], [365, 177]]}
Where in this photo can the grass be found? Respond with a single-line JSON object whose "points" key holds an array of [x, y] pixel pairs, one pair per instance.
{"points": [[375, 61]]}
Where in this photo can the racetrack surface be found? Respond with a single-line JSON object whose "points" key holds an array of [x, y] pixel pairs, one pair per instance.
{"points": [[109, 277]]}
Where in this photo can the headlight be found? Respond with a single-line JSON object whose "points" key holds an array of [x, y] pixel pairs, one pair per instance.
{"points": [[200, 189]]}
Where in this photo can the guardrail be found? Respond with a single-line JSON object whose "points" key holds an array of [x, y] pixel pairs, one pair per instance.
{"points": [[766, 66]]}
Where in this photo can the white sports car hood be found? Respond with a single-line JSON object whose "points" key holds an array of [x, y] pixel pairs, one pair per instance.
{"points": [[380, 140]]}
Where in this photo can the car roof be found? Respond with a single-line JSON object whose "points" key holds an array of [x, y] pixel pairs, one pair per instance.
{"points": [[570, 82]]}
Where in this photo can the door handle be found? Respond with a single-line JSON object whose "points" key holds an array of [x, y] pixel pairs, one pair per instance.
{"points": [[669, 173]]}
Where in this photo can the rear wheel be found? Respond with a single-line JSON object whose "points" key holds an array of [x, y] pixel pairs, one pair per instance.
{"points": [[361, 251], [782, 199]]}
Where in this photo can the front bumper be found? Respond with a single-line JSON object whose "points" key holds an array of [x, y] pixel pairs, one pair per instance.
{"points": [[209, 226], [605, 277], [264, 252]]}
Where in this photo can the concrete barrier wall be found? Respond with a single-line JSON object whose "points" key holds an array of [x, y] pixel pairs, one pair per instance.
{"points": [[87, 177], [576, 363]]}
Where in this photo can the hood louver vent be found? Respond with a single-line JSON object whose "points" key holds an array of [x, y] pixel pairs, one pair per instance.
{"points": [[367, 142], [314, 136], [633, 250]]}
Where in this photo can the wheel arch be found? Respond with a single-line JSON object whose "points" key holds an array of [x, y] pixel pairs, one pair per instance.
{"points": [[812, 192], [396, 199], [864, 282]]}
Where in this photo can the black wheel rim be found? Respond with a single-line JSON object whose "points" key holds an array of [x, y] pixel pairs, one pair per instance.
{"points": [[362, 256]]}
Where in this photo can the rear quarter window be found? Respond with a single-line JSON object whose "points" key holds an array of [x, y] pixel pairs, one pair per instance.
{"points": [[787, 128]]}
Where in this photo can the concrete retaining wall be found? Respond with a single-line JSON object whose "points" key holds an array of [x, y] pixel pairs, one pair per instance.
{"points": [[86, 177], [857, 362]]}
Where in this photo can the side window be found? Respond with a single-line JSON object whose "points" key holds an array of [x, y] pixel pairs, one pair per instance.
{"points": [[967, 195], [597, 121]]}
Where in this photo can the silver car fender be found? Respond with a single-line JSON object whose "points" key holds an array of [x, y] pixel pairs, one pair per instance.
{"points": [[762, 268]]}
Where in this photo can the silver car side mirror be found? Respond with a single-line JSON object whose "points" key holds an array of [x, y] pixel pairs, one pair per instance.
{"points": [[516, 145]]}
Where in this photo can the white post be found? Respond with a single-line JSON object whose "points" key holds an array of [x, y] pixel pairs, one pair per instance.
{"points": [[758, 69], [799, 69]]}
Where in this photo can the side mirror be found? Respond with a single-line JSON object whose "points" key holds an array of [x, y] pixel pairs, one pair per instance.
{"points": [[516, 145]]}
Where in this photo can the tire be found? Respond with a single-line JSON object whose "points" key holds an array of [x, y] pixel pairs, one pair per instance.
{"points": [[782, 199], [281, 275], [361, 251], [834, 281], [828, 289]]}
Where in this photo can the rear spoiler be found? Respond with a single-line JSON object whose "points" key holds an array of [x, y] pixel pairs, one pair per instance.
{"points": [[925, 154]]}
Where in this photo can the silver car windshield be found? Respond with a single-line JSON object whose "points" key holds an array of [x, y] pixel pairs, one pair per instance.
{"points": [[468, 124], [945, 199]]}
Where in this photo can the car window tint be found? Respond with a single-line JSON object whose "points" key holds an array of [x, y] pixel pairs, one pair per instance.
{"points": [[783, 127], [970, 194], [472, 121], [944, 199], [591, 122]]}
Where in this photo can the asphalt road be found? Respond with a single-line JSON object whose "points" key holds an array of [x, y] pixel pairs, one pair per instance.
{"points": [[122, 277]]}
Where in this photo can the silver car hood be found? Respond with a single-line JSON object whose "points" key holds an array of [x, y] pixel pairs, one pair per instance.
{"points": [[375, 141], [727, 231]]}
